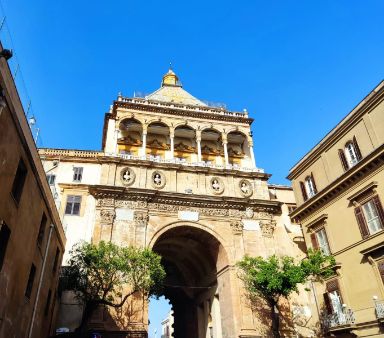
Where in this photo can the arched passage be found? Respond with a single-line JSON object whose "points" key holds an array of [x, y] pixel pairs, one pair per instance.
{"points": [[192, 258]]}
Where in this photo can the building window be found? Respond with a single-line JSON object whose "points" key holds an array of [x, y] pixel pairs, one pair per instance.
{"points": [[370, 217], [56, 260], [350, 155], [19, 180], [48, 303], [332, 298], [77, 174], [31, 278], [40, 236], [308, 187], [320, 241], [5, 233], [51, 178], [73, 205]]}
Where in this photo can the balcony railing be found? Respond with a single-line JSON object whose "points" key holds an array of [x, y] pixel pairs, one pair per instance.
{"points": [[379, 308], [158, 159], [339, 319]]}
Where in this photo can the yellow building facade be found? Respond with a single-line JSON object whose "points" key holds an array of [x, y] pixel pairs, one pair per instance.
{"points": [[339, 189]]}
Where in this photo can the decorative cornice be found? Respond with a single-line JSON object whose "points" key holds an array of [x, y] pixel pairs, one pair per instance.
{"points": [[179, 112], [89, 156], [203, 201], [367, 165], [371, 186]]}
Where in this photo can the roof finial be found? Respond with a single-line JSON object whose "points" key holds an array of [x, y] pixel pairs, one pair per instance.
{"points": [[170, 65]]}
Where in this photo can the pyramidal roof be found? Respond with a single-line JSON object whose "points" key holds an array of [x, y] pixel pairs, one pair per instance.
{"points": [[171, 91]]}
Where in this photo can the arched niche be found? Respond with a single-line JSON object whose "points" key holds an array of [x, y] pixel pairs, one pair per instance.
{"points": [[158, 139], [211, 146], [185, 143], [130, 136]]}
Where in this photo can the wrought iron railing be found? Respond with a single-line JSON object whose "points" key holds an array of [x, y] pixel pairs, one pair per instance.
{"points": [[379, 308], [342, 318]]}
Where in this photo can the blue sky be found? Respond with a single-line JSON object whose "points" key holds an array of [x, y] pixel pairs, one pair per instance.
{"points": [[297, 66]]}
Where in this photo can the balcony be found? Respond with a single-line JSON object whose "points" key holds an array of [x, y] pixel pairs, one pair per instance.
{"points": [[339, 321], [379, 309]]}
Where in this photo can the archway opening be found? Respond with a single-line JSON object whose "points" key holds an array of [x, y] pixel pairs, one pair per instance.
{"points": [[192, 259]]}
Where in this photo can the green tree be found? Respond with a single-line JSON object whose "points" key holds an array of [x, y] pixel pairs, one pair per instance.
{"points": [[276, 277], [106, 274]]}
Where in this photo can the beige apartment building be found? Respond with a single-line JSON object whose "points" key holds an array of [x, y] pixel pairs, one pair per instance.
{"points": [[32, 240], [339, 189], [179, 176]]}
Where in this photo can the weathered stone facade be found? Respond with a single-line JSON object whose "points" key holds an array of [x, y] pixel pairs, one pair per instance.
{"points": [[180, 177]]}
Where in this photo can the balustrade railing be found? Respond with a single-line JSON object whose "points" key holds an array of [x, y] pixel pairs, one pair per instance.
{"points": [[334, 320], [158, 159], [379, 308]]}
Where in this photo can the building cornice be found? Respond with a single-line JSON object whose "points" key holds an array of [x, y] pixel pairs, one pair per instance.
{"points": [[99, 157], [366, 105], [370, 163], [205, 113], [191, 200]]}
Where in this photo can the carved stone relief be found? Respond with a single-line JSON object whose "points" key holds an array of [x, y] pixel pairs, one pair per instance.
{"points": [[216, 185], [158, 179], [141, 218], [246, 188], [268, 227], [237, 227], [107, 216], [127, 176]]}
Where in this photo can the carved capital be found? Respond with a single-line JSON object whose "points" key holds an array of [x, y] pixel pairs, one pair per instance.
{"points": [[268, 227], [107, 216], [237, 227], [141, 218]]}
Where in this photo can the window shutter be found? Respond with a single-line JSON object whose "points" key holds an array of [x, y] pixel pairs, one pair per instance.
{"points": [[380, 266], [314, 184], [379, 209], [343, 159], [357, 149], [327, 303], [303, 191], [361, 222], [315, 245]]}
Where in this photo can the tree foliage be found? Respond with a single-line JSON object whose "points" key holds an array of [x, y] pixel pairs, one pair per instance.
{"points": [[276, 277], [105, 273]]}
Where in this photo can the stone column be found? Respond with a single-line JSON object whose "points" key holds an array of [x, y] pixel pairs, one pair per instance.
{"points": [[172, 137], [198, 143], [250, 142], [144, 141], [225, 142]]}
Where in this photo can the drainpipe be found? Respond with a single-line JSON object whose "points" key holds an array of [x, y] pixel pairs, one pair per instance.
{"points": [[40, 282]]}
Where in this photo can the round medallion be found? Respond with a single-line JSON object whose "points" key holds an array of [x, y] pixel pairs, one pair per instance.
{"points": [[245, 188], [127, 176], [158, 179], [216, 185]]}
